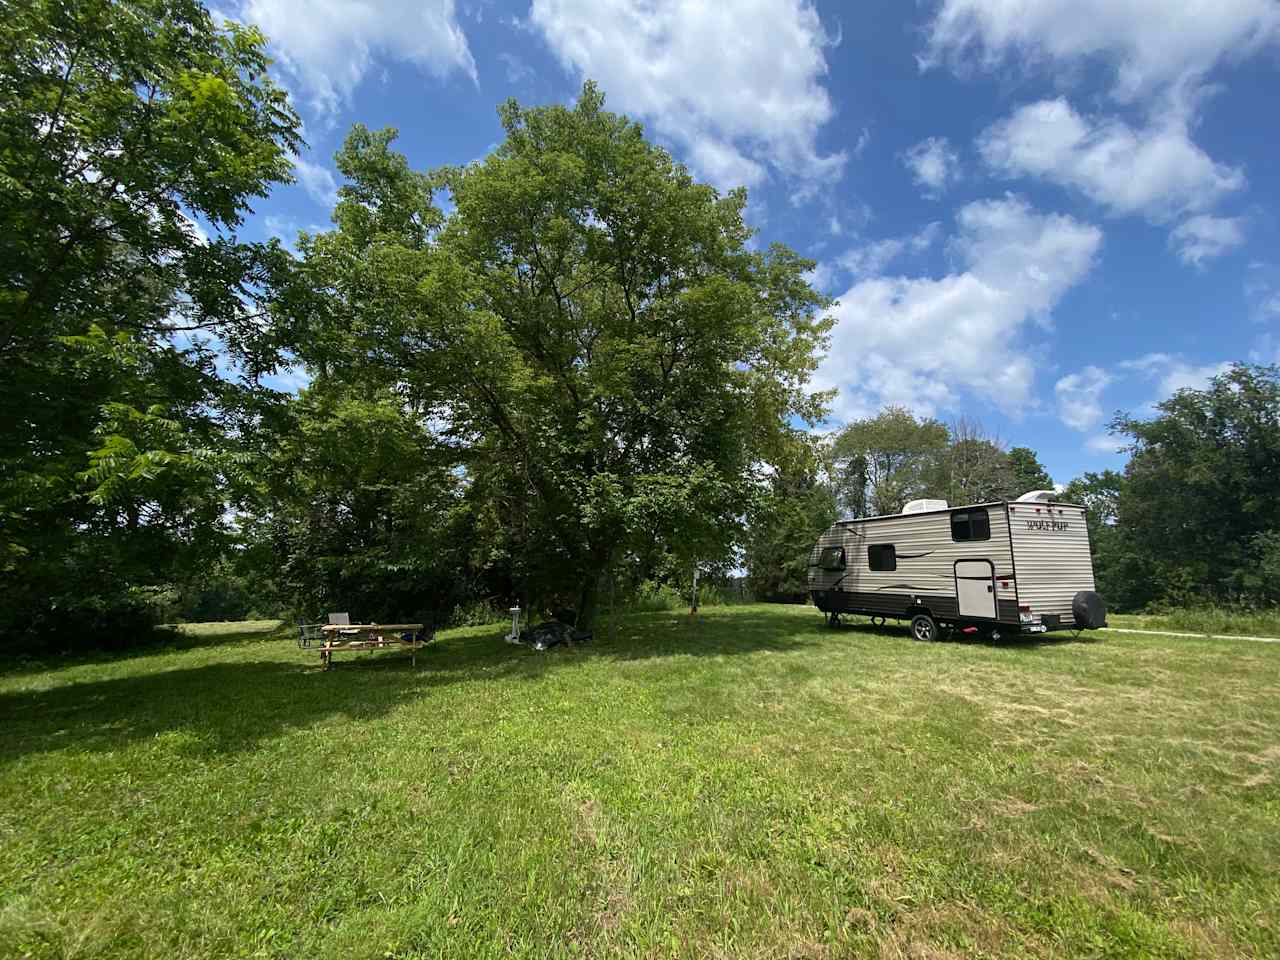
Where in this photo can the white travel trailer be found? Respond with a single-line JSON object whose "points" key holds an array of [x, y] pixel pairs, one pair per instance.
{"points": [[994, 568]]}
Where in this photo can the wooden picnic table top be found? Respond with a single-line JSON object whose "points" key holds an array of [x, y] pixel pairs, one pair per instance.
{"points": [[368, 627]]}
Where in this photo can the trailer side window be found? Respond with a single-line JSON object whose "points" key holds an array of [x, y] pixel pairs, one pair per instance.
{"points": [[832, 558], [882, 556], [969, 525]]}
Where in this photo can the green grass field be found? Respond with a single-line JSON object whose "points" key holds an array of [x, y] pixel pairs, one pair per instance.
{"points": [[750, 784]]}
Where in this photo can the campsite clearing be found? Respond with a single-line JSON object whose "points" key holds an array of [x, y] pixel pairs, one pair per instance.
{"points": [[746, 784]]}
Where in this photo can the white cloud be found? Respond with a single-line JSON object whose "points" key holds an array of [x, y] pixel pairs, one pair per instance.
{"points": [[1262, 291], [1105, 443], [517, 70], [1152, 45], [1205, 237], [735, 86], [330, 45], [1172, 373], [934, 165], [1080, 397], [871, 259], [194, 227], [1155, 171], [919, 341], [317, 181], [864, 139], [287, 378], [823, 277]]}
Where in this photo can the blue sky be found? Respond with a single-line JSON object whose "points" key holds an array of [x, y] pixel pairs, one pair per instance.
{"points": [[1033, 212]]}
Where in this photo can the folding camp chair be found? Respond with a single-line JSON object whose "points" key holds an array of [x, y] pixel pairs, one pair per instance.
{"points": [[308, 632], [342, 620]]}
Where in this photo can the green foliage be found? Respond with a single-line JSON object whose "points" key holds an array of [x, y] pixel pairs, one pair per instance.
{"points": [[1193, 521], [1027, 472], [651, 597], [883, 462], [358, 509], [1197, 513], [607, 355], [781, 537], [122, 124]]}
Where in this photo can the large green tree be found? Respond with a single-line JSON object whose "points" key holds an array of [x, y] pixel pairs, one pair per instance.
{"points": [[801, 506], [589, 325], [1198, 511], [1026, 472], [357, 509], [881, 462], [123, 125]]}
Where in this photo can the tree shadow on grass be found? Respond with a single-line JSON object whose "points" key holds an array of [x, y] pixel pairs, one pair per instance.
{"points": [[222, 707], [231, 706], [167, 639]]}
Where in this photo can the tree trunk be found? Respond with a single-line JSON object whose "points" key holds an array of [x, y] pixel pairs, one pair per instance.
{"points": [[589, 592], [587, 600]]}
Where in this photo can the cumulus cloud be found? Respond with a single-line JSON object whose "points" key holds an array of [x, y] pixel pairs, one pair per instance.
{"points": [[871, 259], [736, 87], [1262, 291], [1151, 45], [1105, 443], [1079, 397], [317, 181], [934, 165], [1205, 237], [1172, 373], [919, 341], [1155, 171], [517, 70], [328, 46]]}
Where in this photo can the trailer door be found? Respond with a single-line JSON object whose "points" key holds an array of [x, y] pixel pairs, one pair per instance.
{"points": [[976, 588]]}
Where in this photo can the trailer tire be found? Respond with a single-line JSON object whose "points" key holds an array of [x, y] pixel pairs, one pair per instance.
{"points": [[924, 627]]}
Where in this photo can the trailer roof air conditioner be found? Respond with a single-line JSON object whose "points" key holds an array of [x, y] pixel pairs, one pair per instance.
{"points": [[924, 506], [1037, 496]]}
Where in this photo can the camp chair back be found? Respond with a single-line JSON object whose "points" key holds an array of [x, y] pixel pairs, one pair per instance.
{"points": [[308, 632], [339, 619]]}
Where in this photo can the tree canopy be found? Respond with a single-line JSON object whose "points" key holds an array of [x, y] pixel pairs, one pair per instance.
{"points": [[588, 326], [123, 127]]}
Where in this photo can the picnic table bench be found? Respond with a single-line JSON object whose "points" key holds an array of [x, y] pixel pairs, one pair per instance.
{"points": [[369, 636]]}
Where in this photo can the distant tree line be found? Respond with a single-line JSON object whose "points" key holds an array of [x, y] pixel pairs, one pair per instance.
{"points": [[1193, 518], [569, 385]]}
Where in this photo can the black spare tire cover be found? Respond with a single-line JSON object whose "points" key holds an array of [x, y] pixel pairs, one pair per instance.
{"points": [[1089, 611]]}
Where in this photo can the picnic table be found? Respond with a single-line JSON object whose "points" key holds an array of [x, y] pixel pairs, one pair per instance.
{"points": [[369, 636]]}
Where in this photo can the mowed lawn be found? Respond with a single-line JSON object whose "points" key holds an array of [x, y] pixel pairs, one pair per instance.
{"points": [[747, 784]]}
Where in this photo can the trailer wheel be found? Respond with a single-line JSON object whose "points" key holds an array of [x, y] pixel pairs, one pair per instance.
{"points": [[924, 627]]}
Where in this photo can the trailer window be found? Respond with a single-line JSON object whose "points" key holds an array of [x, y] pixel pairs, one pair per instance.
{"points": [[832, 558], [882, 556], [969, 525]]}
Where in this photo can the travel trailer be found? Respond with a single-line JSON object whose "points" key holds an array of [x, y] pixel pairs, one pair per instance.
{"points": [[1001, 568]]}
